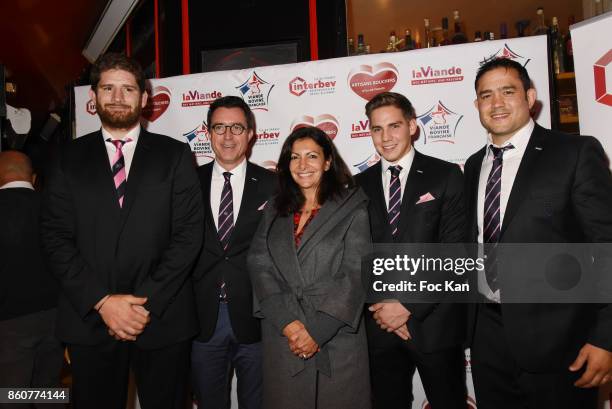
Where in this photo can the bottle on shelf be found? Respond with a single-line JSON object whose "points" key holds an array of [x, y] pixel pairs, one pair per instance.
{"points": [[477, 36], [351, 46], [569, 50], [427, 42], [490, 35], [360, 45], [409, 43], [558, 47], [521, 26], [503, 31], [445, 40], [459, 36], [541, 28], [393, 42]]}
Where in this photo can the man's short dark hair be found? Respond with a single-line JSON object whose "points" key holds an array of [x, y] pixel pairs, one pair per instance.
{"points": [[506, 63], [391, 99], [231, 101], [116, 61]]}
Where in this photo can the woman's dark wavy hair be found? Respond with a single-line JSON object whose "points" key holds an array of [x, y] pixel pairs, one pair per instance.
{"points": [[334, 182]]}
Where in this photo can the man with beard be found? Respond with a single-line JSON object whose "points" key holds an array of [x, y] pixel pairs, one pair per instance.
{"points": [[121, 227]]}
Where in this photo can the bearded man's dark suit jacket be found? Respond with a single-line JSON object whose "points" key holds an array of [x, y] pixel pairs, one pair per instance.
{"points": [[434, 327], [147, 248], [215, 264], [562, 193]]}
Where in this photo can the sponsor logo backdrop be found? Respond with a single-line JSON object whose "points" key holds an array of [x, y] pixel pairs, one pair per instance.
{"points": [[332, 94]]}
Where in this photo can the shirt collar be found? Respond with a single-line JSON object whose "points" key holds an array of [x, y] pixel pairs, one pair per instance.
{"points": [[519, 140], [405, 162], [132, 134], [239, 171], [17, 183]]}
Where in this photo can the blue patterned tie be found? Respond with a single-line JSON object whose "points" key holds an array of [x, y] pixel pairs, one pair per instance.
{"points": [[395, 198], [226, 223], [492, 219]]}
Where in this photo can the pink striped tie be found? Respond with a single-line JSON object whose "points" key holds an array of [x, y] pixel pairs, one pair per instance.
{"points": [[118, 169]]}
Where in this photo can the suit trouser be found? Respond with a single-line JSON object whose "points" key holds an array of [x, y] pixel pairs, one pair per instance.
{"points": [[30, 354], [392, 367], [500, 383], [100, 375], [212, 362]]}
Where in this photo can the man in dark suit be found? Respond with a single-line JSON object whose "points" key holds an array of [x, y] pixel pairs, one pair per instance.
{"points": [[413, 199], [30, 354], [532, 185], [235, 193], [122, 227]]}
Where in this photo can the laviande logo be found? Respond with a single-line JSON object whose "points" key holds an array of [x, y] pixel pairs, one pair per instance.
{"points": [[506, 52], [368, 163], [361, 129], [439, 124], [318, 86], [256, 92], [370, 80], [325, 122], [267, 137], [429, 75], [601, 85], [199, 141], [195, 98], [157, 103]]}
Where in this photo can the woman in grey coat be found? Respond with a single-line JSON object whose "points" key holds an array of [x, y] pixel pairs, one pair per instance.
{"points": [[305, 265]]}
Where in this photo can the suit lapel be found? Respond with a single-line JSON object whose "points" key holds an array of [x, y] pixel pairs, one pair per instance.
{"points": [[248, 205], [104, 175], [140, 162], [524, 176], [211, 242], [416, 183], [374, 187], [473, 180]]}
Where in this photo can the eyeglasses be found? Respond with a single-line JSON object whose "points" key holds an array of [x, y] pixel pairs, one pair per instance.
{"points": [[236, 129]]}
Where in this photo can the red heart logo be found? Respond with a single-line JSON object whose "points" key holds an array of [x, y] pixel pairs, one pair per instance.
{"points": [[157, 103], [325, 122], [368, 81]]}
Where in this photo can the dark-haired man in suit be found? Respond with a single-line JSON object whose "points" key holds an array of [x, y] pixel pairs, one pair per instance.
{"points": [[413, 199], [235, 191], [533, 185], [122, 227]]}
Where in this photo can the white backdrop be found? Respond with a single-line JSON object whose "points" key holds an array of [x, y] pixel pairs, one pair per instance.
{"points": [[332, 94]]}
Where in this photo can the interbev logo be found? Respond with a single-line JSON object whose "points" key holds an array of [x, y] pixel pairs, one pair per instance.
{"points": [[506, 52], [325, 122], [370, 80], [319, 86], [439, 124], [602, 95]]}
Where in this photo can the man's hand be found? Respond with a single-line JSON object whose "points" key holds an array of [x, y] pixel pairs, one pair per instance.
{"points": [[403, 332], [124, 315], [300, 341], [390, 315], [599, 366]]}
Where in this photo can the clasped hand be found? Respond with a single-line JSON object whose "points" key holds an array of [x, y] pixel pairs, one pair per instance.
{"points": [[392, 316], [300, 341], [125, 316]]}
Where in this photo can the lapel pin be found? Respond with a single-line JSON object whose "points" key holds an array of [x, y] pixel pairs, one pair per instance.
{"points": [[419, 171], [254, 179], [538, 148]]}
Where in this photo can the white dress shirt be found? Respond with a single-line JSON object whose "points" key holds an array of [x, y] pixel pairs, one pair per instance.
{"points": [[16, 184], [127, 149], [216, 187], [511, 162], [406, 163]]}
